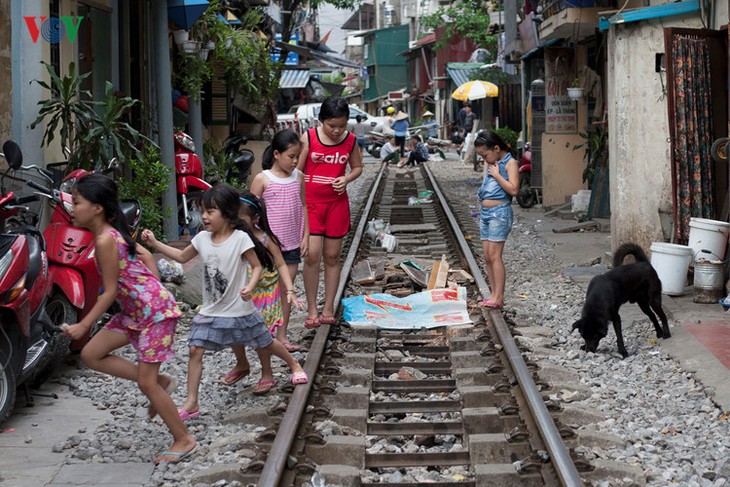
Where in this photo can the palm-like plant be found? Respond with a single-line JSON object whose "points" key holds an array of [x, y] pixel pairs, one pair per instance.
{"points": [[111, 136], [67, 108], [93, 132]]}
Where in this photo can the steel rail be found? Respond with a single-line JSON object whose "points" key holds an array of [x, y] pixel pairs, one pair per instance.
{"points": [[279, 453], [564, 466]]}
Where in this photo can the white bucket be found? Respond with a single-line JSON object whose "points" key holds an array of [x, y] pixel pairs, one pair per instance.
{"points": [[671, 263], [708, 238]]}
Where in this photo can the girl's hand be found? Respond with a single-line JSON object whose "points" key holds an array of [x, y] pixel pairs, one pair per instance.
{"points": [[246, 293], [294, 301], [493, 170], [340, 185], [75, 331], [304, 246], [148, 237]]}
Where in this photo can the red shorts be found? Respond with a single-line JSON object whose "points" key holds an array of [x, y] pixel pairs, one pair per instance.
{"points": [[329, 219]]}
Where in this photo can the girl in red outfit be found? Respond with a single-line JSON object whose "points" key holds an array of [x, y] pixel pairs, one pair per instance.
{"points": [[327, 150]]}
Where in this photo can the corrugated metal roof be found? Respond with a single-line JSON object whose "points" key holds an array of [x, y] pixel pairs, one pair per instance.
{"points": [[294, 78], [461, 72]]}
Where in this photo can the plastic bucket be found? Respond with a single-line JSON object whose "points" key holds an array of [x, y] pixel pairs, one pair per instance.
{"points": [[671, 263], [708, 238], [709, 285]]}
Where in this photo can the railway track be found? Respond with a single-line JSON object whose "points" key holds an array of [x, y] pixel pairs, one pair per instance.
{"points": [[447, 406]]}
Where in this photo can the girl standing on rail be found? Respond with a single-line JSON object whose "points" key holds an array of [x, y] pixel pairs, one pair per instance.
{"points": [[281, 186], [327, 151], [501, 183], [149, 312]]}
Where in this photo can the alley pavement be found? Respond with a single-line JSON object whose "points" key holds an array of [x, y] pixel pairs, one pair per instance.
{"points": [[700, 342]]}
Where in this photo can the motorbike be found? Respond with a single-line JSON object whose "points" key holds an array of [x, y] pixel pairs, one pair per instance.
{"points": [[190, 183], [376, 140], [76, 282], [527, 195], [29, 341], [241, 159]]}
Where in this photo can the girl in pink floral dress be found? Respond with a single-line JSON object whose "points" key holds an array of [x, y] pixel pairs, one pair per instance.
{"points": [[149, 312]]}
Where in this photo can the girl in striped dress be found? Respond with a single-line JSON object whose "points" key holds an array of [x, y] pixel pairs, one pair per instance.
{"points": [[281, 187]]}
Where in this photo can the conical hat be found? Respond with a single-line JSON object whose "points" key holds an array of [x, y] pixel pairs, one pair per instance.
{"points": [[401, 116], [427, 114]]}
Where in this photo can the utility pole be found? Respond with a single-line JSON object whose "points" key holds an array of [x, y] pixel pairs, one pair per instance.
{"points": [[164, 112]]}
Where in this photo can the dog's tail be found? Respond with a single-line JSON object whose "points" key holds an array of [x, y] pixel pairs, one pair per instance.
{"points": [[628, 249]]}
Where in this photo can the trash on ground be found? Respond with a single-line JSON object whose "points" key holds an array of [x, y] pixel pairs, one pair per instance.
{"points": [[170, 271], [427, 309]]}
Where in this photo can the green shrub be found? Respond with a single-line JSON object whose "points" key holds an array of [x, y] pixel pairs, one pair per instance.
{"points": [[509, 136], [148, 182]]}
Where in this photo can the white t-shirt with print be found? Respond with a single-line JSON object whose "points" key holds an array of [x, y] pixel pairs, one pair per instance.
{"points": [[224, 274]]}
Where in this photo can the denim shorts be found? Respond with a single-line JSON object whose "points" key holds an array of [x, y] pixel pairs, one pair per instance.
{"points": [[293, 256], [495, 223]]}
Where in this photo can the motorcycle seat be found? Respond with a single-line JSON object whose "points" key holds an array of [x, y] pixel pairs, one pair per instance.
{"points": [[35, 254]]}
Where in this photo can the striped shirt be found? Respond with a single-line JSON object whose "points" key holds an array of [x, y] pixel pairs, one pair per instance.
{"points": [[284, 209]]}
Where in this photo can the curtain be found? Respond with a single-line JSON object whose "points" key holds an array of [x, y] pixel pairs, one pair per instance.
{"points": [[692, 163]]}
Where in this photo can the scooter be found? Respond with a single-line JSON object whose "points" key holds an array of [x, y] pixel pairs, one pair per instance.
{"points": [[76, 282], [527, 195], [190, 183], [241, 158], [27, 335], [376, 140]]}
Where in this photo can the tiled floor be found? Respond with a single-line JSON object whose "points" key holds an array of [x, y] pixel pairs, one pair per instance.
{"points": [[714, 336]]}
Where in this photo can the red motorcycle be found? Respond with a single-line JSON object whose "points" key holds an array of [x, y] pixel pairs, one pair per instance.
{"points": [[76, 282], [29, 341], [527, 195], [190, 183]]}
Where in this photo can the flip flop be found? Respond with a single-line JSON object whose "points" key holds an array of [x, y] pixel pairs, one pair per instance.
{"points": [[171, 387], [310, 323], [327, 320], [263, 386], [178, 456], [184, 415], [290, 347], [234, 376], [299, 378]]}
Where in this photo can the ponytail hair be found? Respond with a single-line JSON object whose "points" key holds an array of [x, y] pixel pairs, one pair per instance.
{"points": [[103, 191], [490, 140], [255, 208], [281, 142]]}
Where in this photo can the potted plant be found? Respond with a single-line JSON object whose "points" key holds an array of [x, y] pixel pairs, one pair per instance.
{"points": [[575, 90]]}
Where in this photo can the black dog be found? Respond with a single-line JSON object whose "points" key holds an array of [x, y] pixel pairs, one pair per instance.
{"points": [[636, 283]]}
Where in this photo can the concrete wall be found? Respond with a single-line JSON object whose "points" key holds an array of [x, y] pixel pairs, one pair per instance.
{"points": [[562, 168], [6, 91], [639, 164]]}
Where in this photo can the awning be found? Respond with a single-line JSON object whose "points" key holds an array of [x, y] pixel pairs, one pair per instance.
{"points": [[460, 73], [294, 78], [315, 54]]}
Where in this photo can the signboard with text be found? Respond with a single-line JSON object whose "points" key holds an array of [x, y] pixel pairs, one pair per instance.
{"points": [[561, 113]]}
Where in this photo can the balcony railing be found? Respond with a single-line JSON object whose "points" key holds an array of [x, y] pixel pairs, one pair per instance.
{"points": [[571, 18]]}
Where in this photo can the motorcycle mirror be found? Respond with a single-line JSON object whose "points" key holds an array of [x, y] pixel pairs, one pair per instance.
{"points": [[13, 154]]}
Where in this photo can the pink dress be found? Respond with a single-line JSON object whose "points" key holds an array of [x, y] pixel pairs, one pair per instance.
{"points": [[149, 311]]}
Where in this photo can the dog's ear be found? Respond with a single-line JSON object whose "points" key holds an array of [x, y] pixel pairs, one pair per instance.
{"points": [[576, 325]]}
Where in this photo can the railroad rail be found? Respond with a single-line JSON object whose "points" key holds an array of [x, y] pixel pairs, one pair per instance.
{"points": [[459, 405]]}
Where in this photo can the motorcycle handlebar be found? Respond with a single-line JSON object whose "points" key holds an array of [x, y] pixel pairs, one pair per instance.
{"points": [[39, 187]]}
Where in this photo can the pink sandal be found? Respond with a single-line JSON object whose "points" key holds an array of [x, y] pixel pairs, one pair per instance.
{"points": [[299, 378]]}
